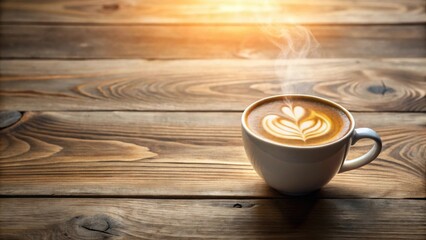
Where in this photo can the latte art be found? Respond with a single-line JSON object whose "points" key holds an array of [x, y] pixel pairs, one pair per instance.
{"points": [[297, 123]]}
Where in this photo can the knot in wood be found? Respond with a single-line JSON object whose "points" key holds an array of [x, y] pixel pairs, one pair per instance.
{"points": [[111, 7], [102, 225]]}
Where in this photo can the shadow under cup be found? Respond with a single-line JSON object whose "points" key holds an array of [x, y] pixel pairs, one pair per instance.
{"points": [[298, 170]]}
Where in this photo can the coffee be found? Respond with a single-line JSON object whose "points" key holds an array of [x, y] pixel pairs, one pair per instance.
{"points": [[298, 121]]}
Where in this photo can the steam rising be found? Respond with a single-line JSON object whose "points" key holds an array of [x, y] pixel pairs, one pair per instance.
{"points": [[295, 43]]}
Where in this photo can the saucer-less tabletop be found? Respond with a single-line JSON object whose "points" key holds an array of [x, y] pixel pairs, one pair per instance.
{"points": [[121, 119]]}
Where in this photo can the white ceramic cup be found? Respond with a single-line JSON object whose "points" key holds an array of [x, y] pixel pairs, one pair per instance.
{"points": [[298, 170]]}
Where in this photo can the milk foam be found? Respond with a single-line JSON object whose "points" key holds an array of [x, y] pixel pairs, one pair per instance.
{"points": [[297, 123]]}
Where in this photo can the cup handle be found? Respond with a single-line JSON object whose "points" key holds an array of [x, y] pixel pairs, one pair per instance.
{"points": [[360, 133]]}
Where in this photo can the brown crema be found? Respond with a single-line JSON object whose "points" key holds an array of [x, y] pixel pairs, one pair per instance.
{"points": [[298, 121]]}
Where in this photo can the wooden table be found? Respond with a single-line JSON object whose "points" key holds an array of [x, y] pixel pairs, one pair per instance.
{"points": [[120, 119]]}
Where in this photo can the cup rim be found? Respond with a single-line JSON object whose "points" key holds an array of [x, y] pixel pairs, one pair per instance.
{"points": [[247, 129]]}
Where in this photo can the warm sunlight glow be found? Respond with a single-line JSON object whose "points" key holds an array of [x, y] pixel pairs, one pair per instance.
{"points": [[241, 7], [255, 11]]}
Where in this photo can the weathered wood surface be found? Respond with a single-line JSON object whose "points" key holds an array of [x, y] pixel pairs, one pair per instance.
{"points": [[304, 218], [185, 154], [47, 159], [214, 11], [200, 42], [213, 85]]}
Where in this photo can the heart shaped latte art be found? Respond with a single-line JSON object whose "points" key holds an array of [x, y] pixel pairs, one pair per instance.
{"points": [[297, 123]]}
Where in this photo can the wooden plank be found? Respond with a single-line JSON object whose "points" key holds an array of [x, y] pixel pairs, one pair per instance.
{"points": [[213, 11], [200, 42], [306, 218], [185, 154], [215, 85]]}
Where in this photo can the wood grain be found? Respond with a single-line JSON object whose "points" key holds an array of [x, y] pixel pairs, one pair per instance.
{"points": [[201, 42], [185, 154], [214, 85], [305, 218], [214, 11]]}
